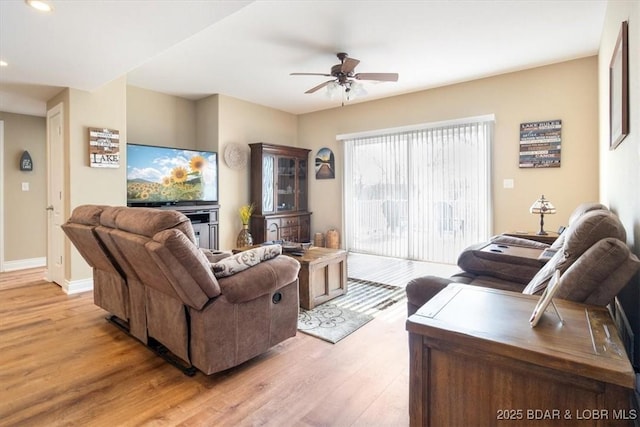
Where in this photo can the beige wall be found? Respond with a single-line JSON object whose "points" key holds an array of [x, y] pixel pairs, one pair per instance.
{"points": [[216, 121], [620, 168], [566, 91], [105, 107], [24, 211], [244, 123], [207, 123], [157, 119]]}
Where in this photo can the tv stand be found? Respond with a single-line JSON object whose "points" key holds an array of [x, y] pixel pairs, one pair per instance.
{"points": [[204, 219]]}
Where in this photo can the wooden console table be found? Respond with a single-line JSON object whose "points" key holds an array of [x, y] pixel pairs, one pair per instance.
{"points": [[475, 360]]}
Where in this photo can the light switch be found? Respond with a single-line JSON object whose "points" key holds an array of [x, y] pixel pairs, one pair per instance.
{"points": [[507, 183], [25, 186]]}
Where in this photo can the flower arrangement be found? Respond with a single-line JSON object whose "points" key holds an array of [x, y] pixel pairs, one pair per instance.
{"points": [[245, 213]]}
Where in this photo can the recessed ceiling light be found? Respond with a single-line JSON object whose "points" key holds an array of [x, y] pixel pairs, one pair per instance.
{"points": [[3, 63], [41, 5]]}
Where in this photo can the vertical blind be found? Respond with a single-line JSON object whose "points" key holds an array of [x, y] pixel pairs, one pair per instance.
{"points": [[421, 194]]}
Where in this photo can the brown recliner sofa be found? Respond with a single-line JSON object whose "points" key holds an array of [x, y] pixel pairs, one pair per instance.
{"points": [[149, 273], [519, 260], [591, 255]]}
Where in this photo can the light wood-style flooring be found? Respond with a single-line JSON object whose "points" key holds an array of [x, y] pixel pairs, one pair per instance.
{"points": [[62, 363]]}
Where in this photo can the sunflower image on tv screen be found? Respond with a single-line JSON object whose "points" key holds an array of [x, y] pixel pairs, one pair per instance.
{"points": [[162, 175]]}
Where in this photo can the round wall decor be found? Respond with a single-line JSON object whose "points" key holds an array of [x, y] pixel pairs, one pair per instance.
{"points": [[235, 156]]}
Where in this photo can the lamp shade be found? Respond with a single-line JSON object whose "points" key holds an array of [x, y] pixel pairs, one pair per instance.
{"points": [[332, 90], [348, 89], [542, 206]]}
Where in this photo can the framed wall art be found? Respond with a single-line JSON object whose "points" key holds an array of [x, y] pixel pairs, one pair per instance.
{"points": [[104, 148], [619, 89], [325, 164], [540, 144]]}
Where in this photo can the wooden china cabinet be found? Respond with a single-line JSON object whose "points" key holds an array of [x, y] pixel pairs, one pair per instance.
{"points": [[279, 187]]}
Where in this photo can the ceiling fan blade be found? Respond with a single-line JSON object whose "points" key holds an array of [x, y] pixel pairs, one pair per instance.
{"points": [[320, 86], [310, 74], [381, 77], [348, 65]]}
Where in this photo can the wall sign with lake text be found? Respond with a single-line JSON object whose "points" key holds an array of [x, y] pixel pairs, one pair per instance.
{"points": [[104, 148], [540, 144]]}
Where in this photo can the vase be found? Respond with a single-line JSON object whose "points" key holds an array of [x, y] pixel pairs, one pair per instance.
{"points": [[318, 240], [244, 238], [333, 239]]}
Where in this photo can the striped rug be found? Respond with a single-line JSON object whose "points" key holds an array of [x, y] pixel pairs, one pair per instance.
{"points": [[364, 296], [336, 319]]}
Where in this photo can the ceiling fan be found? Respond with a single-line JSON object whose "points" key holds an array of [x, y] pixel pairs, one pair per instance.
{"points": [[343, 74]]}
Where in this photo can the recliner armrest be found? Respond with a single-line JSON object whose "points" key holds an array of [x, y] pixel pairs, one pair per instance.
{"points": [[261, 279], [422, 289], [518, 241], [506, 264]]}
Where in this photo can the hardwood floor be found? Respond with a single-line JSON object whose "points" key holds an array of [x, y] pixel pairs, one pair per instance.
{"points": [[62, 363]]}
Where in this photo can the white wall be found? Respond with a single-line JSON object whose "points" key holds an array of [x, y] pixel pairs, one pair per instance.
{"points": [[620, 168]]}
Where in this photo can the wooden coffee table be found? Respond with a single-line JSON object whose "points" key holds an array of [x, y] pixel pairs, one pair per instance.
{"points": [[323, 275]]}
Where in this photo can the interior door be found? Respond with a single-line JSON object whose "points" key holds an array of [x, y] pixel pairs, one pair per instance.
{"points": [[2, 196], [55, 205]]}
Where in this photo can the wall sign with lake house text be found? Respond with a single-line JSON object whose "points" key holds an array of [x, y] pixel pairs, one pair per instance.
{"points": [[540, 144], [104, 148]]}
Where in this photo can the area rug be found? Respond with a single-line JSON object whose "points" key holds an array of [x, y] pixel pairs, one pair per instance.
{"points": [[336, 319]]}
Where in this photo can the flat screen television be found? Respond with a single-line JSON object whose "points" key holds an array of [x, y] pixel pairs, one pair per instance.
{"points": [[159, 176]]}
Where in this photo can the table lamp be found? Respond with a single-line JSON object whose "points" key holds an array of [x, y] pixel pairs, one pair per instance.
{"points": [[542, 206]]}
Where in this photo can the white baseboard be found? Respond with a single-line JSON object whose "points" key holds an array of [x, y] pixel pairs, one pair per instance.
{"points": [[23, 264], [77, 286]]}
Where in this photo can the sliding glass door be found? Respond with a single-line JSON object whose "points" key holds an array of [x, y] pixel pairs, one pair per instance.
{"points": [[419, 194]]}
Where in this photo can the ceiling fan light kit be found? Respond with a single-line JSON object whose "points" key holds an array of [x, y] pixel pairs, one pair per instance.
{"points": [[343, 76], [332, 90], [351, 90]]}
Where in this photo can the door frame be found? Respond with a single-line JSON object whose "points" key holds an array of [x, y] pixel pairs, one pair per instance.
{"points": [[2, 195], [57, 109]]}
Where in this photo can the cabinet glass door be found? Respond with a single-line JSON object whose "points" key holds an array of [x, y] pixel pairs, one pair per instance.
{"points": [[286, 184], [268, 175], [302, 185]]}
